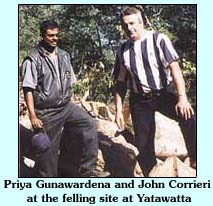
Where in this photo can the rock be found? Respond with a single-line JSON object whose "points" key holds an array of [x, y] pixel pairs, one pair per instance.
{"points": [[184, 170], [168, 137], [166, 169], [22, 104], [172, 167], [100, 162], [98, 109], [117, 152], [25, 121], [111, 130], [121, 161]]}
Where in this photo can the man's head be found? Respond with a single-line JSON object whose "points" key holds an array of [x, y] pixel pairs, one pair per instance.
{"points": [[132, 23], [49, 30]]}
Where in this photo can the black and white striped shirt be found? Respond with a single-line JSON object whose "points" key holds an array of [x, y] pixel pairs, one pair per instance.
{"points": [[145, 62]]}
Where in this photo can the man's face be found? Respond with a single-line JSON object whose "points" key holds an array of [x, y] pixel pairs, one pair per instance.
{"points": [[51, 37], [132, 26]]}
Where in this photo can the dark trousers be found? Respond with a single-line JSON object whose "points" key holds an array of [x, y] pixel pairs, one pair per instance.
{"points": [[143, 118], [73, 118]]}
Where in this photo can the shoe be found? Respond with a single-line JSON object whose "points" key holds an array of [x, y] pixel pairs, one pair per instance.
{"points": [[97, 173]]}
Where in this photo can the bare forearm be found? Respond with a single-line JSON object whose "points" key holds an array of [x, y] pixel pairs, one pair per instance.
{"points": [[119, 94], [36, 122], [118, 102], [178, 79], [182, 107], [30, 103]]}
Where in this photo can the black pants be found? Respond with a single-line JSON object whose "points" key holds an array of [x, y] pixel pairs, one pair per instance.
{"points": [[75, 119], [143, 117]]}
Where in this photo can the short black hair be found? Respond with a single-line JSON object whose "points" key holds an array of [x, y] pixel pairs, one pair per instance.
{"points": [[47, 24]]}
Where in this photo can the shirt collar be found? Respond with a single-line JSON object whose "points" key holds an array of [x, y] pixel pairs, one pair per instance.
{"points": [[44, 51], [143, 37]]}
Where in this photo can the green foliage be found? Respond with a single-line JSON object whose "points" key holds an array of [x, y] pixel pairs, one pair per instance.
{"points": [[30, 17], [189, 72], [97, 83], [92, 33]]}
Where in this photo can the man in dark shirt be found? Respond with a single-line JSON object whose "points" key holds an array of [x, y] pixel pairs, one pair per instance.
{"points": [[47, 80], [148, 61]]}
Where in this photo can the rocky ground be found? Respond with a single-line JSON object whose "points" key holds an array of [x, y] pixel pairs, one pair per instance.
{"points": [[117, 152]]}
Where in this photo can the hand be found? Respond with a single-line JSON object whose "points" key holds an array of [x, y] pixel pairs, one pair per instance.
{"points": [[119, 119], [36, 123], [184, 108]]}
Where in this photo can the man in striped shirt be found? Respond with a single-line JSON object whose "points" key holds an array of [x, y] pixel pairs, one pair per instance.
{"points": [[148, 63]]}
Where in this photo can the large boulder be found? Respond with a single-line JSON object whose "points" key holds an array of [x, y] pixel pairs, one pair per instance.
{"points": [[120, 155], [168, 137]]}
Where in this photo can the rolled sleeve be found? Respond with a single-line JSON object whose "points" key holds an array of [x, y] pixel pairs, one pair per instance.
{"points": [[29, 74]]}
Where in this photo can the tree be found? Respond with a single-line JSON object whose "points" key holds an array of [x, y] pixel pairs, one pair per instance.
{"points": [[92, 34]]}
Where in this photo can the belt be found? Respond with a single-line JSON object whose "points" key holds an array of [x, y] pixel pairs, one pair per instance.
{"points": [[153, 93], [148, 95]]}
